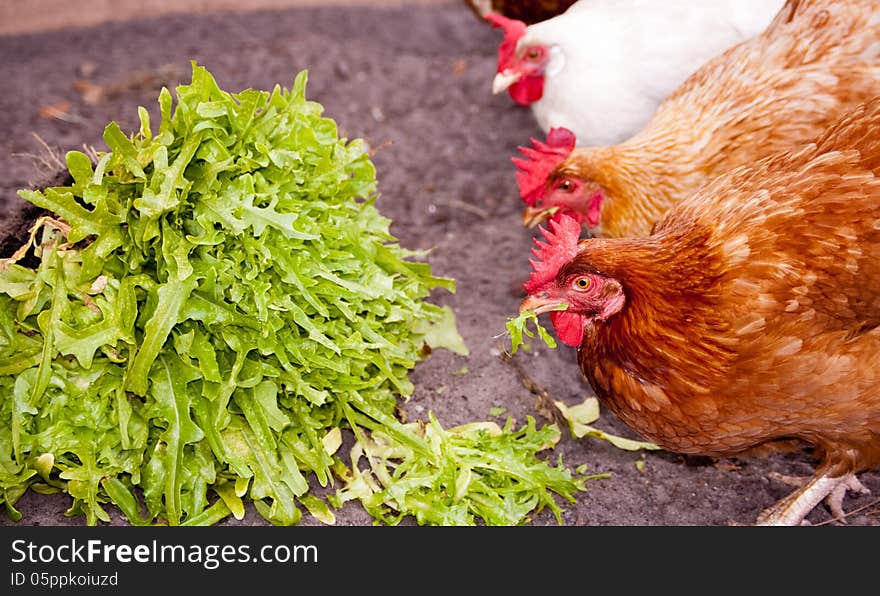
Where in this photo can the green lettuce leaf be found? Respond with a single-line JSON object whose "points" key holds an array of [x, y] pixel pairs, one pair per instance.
{"points": [[215, 301]]}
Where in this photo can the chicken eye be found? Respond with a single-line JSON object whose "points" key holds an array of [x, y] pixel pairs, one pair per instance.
{"points": [[533, 53], [565, 185], [582, 283]]}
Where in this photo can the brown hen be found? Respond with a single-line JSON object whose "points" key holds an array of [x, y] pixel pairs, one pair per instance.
{"points": [[528, 11], [816, 61], [749, 315]]}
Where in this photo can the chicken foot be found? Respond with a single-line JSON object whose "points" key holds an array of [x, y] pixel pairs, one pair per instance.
{"points": [[793, 509]]}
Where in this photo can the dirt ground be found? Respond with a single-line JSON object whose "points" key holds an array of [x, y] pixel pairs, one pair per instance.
{"points": [[46, 15], [415, 82]]}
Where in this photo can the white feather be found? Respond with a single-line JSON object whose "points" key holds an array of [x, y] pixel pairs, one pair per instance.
{"points": [[613, 61]]}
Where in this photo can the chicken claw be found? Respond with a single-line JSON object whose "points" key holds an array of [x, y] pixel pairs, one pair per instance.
{"points": [[793, 509]]}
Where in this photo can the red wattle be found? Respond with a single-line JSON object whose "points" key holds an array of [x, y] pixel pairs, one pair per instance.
{"points": [[527, 90], [569, 327]]}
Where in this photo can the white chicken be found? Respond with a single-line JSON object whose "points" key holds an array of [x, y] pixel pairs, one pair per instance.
{"points": [[601, 68]]}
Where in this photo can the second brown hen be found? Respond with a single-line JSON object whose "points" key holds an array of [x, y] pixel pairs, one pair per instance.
{"points": [[815, 62], [750, 314]]}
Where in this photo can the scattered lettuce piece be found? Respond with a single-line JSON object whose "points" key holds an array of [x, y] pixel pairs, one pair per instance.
{"points": [[581, 416], [444, 334], [457, 476]]}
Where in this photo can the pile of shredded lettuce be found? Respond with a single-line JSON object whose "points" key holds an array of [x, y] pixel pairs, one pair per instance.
{"points": [[213, 303]]}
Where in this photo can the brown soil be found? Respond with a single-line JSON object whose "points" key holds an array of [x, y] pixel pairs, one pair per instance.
{"points": [[47, 15], [415, 82]]}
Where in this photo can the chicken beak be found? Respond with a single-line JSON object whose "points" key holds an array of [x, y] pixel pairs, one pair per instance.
{"points": [[533, 216], [503, 80], [539, 303]]}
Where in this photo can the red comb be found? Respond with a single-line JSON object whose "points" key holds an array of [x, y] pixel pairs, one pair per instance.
{"points": [[541, 160], [560, 247], [513, 31]]}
